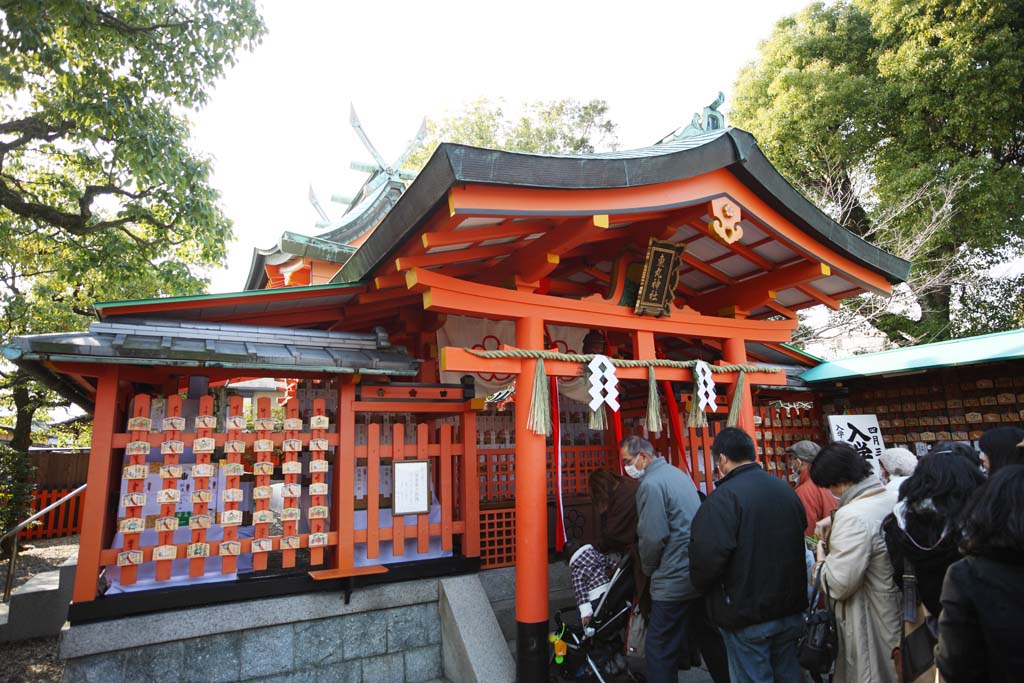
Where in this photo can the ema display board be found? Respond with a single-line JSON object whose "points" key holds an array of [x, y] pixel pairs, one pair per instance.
{"points": [[861, 432]]}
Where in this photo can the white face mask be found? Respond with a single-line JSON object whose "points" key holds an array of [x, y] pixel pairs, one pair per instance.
{"points": [[633, 472]]}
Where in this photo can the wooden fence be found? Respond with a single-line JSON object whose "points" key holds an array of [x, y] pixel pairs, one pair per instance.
{"points": [[63, 521], [60, 468]]}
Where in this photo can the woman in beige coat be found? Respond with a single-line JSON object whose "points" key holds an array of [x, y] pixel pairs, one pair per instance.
{"points": [[856, 567]]}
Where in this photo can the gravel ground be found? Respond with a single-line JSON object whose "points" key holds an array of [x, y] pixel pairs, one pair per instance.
{"points": [[31, 661], [35, 661], [41, 556]]}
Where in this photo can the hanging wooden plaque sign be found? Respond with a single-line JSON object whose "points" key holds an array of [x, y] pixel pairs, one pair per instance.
{"points": [[659, 279]]}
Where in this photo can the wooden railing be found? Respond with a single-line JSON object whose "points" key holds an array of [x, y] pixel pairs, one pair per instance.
{"points": [[65, 520]]}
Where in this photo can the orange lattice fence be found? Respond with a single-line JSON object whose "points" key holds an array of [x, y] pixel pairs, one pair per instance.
{"points": [[62, 521], [497, 537]]}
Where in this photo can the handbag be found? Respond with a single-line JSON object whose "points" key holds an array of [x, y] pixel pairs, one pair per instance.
{"points": [[819, 643], [917, 644], [636, 632]]}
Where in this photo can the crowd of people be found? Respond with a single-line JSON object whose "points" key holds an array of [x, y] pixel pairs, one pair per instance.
{"points": [[920, 562]]}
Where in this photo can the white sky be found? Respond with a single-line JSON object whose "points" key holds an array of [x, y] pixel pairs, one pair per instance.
{"points": [[278, 121]]}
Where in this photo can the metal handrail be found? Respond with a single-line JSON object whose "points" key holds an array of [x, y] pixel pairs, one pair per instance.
{"points": [[17, 530]]}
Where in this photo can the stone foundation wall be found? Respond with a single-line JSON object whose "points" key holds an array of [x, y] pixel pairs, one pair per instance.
{"points": [[388, 634]]}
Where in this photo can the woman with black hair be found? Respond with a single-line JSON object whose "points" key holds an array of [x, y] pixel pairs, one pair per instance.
{"points": [[1001, 447], [921, 529], [921, 538], [855, 568], [981, 628]]}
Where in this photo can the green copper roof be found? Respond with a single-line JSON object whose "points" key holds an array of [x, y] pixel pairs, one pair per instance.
{"points": [[968, 351], [314, 247], [253, 293]]}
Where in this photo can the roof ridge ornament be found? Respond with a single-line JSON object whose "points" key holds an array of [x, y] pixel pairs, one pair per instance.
{"points": [[711, 121], [380, 172]]}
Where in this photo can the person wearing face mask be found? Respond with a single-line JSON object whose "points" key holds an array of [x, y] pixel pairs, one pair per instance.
{"points": [[818, 502], [666, 502], [855, 569], [747, 557]]}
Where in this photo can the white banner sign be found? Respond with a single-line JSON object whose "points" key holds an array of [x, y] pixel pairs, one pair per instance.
{"points": [[861, 432]]}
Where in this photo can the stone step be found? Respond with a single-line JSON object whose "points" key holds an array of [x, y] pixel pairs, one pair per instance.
{"points": [[39, 607]]}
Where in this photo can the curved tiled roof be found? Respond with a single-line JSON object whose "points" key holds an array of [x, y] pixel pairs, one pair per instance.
{"points": [[730, 148]]}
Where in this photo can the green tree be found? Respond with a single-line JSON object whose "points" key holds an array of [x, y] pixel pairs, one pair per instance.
{"points": [[101, 197], [905, 120], [556, 127]]}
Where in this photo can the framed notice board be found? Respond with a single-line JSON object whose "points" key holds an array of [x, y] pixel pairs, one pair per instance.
{"points": [[411, 494]]}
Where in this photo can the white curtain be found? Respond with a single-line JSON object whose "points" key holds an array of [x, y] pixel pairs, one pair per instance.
{"points": [[490, 335]]}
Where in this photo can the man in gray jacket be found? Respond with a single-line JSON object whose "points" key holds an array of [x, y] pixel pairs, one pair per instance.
{"points": [[666, 503]]}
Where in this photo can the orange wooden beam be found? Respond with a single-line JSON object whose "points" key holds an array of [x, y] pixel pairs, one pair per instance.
{"points": [[450, 295], [541, 256], [454, 256], [758, 290], [820, 297], [710, 271], [470, 236], [744, 251]]}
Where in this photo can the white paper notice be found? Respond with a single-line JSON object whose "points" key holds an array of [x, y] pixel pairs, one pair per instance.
{"points": [[412, 492]]}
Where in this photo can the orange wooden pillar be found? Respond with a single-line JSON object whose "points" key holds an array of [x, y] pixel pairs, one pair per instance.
{"points": [[531, 520], [95, 514], [734, 352]]}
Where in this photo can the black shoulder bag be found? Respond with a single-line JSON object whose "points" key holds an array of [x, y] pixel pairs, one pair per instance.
{"points": [[917, 645], [819, 643]]}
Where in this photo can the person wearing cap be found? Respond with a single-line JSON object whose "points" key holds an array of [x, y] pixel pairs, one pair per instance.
{"points": [[896, 465], [818, 502]]}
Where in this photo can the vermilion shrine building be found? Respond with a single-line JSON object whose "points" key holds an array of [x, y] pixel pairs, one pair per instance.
{"points": [[376, 322]]}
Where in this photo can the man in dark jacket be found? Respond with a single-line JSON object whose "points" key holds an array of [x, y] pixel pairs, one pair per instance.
{"points": [[747, 556], [666, 503]]}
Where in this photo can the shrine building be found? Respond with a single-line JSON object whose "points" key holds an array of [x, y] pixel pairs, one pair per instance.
{"points": [[409, 393]]}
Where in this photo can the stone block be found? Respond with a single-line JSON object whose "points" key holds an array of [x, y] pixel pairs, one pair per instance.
{"points": [[413, 626], [214, 659], [104, 668], [267, 651], [364, 635], [342, 672], [320, 642], [161, 663], [200, 622], [473, 649], [422, 664], [384, 669]]}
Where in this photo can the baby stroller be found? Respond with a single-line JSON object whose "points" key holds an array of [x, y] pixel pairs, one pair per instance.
{"points": [[596, 652]]}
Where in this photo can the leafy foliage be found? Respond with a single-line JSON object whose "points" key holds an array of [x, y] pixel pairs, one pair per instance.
{"points": [[15, 489], [557, 127], [101, 197], [902, 112]]}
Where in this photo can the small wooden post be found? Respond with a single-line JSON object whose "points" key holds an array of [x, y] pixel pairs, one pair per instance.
{"points": [[140, 408], [316, 555], [163, 567], [229, 563], [470, 493], [197, 565]]}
